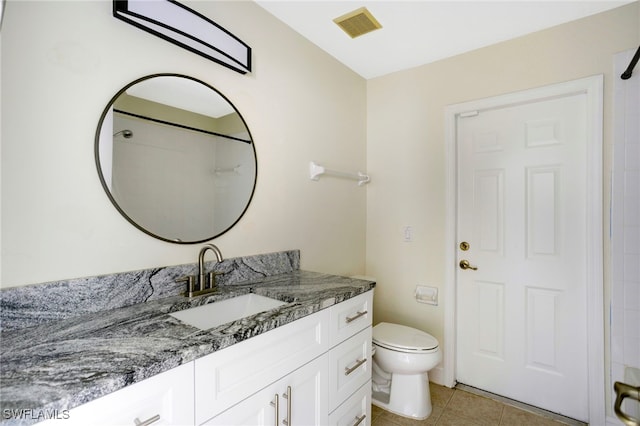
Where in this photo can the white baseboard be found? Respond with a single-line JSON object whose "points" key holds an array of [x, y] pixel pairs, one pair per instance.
{"points": [[436, 375]]}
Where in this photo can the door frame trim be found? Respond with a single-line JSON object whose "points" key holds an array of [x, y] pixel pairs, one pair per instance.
{"points": [[593, 88]]}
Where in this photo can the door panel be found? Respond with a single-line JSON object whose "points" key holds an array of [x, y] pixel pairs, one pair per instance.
{"points": [[490, 319], [542, 212], [490, 192], [542, 339]]}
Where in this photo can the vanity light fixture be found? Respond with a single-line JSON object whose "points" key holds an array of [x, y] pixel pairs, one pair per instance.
{"points": [[186, 28]]}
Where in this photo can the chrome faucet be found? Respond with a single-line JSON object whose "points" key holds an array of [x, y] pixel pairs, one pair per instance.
{"points": [[196, 288], [202, 276]]}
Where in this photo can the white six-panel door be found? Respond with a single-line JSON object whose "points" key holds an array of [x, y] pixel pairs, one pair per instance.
{"points": [[522, 315]]}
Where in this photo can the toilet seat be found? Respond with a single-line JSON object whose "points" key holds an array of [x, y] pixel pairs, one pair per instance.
{"points": [[403, 339]]}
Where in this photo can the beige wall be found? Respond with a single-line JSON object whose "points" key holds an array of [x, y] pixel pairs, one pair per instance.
{"points": [[63, 61], [406, 150]]}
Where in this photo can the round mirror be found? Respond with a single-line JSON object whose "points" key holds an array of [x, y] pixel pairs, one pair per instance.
{"points": [[176, 158]]}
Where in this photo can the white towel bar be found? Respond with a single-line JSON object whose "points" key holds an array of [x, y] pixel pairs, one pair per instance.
{"points": [[315, 171]]}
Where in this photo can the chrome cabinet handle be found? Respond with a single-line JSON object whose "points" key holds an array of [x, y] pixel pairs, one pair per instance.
{"points": [[146, 422], [287, 396], [359, 362], [360, 419], [356, 316], [464, 264], [276, 405]]}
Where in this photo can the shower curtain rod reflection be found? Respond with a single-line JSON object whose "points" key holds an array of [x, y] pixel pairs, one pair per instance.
{"points": [[182, 126], [627, 73]]}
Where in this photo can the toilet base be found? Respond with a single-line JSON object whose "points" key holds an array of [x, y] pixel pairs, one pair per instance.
{"points": [[409, 396]]}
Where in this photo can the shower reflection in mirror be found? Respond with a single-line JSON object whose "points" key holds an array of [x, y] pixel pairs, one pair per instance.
{"points": [[159, 165], [126, 133]]}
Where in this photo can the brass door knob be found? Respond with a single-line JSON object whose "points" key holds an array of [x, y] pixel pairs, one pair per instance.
{"points": [[464, 264]]}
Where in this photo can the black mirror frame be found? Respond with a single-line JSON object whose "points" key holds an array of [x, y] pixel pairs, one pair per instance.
{"points": [[106, 188]]}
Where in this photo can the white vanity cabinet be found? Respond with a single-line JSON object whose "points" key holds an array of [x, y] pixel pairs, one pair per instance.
{"points": [[314, 371], [164, 399]]}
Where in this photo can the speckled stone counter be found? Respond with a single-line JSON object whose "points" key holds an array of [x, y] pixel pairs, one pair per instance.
{"points": [[61, 364]]}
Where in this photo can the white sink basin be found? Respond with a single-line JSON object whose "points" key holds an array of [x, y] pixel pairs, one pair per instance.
{"points": [[217, 313]]}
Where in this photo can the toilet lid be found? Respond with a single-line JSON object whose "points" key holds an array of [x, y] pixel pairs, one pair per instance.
{"points": [[400, 337]]}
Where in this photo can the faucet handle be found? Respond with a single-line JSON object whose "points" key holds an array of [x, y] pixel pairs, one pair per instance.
{"points": [[191, 284], [211, 279]]}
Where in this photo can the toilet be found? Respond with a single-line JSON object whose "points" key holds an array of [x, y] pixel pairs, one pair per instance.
{"points": [[401, 359]]}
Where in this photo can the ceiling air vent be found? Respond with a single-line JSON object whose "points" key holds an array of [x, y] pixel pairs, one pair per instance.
{"points": [[358, 22]]}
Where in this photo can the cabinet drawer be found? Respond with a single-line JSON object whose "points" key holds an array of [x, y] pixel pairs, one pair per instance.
{"points": [[349, 367], [356, 411], [230, 375], [167, 396], [349, 317]]}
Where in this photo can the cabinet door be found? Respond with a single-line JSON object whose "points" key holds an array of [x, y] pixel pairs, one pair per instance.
{"points": [[309, 394], [299, 399], [166, 398], [261, 409]]}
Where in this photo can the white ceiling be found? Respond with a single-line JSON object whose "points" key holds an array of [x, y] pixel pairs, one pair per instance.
{"points": [[423, 31]]}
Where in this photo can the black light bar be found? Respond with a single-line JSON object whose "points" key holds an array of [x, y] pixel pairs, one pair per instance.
{"points": [[186, 28]]}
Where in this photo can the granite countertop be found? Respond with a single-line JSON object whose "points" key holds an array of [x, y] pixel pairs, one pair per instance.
{"points": [[63, 364]]}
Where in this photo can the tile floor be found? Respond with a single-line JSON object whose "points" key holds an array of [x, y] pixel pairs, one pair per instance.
{"points": [[456, 407]]}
